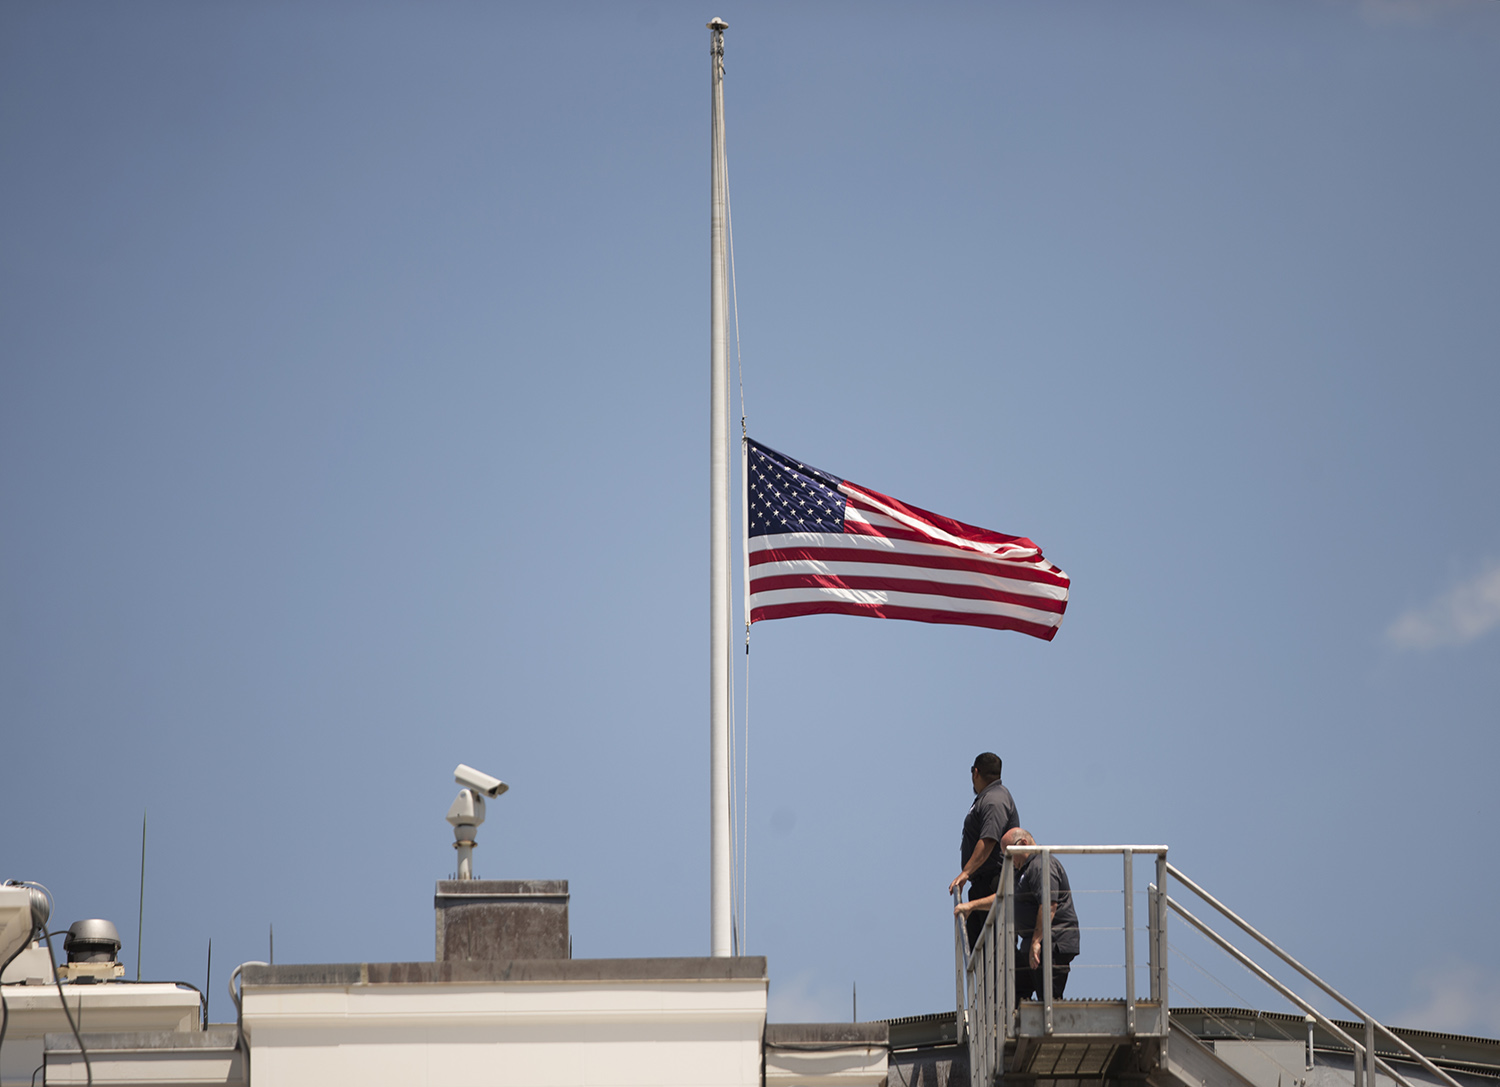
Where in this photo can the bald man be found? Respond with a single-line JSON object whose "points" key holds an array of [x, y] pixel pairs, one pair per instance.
{"points": [[1028, 891]]}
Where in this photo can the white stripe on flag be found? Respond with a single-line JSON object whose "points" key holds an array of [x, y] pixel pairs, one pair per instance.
{"points": [[858, 494], [856, 541], [954, 605], [915, 573]]}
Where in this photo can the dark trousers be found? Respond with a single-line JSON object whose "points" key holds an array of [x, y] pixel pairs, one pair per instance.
{"points": [[979, 888], [1029, 981]]}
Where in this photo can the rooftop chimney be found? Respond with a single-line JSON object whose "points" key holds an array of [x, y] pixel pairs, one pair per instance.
{"points": [[489, 919]]}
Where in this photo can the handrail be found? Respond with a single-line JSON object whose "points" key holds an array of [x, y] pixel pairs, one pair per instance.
{"points": [[1368, 1019], [988, 1013], [1264, 975], [990, 1018], [1085, 849], [960, 966], [984, 1025]]}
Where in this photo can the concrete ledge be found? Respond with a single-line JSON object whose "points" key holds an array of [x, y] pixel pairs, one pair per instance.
{"points": [[216, 1037], [826, 1035], [186, 1058], [468, 889], [746, 968], [826, 1054]]}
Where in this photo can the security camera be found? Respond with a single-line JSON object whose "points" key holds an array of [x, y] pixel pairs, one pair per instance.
{"points": [[474, 779], [467, 812]]}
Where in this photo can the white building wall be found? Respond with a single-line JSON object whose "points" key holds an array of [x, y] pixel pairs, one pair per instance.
{"points": [[636, 1031], [36, 1010]]}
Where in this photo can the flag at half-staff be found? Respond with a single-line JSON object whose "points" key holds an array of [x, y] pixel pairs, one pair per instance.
{"points": [[818, 543]]}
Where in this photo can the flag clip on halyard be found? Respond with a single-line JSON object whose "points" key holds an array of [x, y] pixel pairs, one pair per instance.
{"points": [[818, 543]]}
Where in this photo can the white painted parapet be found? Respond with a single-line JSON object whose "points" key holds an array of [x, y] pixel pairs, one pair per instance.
{"points": [[827, 1054], [183, 1058], [670, 1022], [112, 1006]]}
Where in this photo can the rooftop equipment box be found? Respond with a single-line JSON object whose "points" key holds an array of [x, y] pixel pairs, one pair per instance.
{"points": [[487, 920]]}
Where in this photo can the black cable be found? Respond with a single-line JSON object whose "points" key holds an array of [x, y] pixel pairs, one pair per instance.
{"points": [[87, 1064], [202, 996], [4, 1009]]}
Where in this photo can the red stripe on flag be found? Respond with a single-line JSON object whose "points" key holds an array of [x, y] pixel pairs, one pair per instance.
{"points": [[862, 496], [904, 585], [957, 561], [894, 611], [861, 528]]}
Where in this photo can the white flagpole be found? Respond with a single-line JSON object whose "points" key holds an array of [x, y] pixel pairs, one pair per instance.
{"points": [[720, 614]]}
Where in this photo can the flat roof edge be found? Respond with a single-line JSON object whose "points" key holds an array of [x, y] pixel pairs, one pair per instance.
{"points": [[215, 1037], [820, 1036], [744, 968]]}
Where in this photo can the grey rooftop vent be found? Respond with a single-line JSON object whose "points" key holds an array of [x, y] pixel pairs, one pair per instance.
{"points": [[92, 947]]}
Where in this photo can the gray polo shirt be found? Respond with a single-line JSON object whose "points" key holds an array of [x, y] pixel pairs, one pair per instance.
{"points": [[1029, 897], [990, 816]]}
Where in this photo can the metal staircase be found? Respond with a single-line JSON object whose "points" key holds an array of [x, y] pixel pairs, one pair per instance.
{"points": [[1186, 1062], [1133, 1037]]}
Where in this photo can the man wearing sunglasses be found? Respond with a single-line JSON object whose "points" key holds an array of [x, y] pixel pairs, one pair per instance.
{"points": [[990, 817]]}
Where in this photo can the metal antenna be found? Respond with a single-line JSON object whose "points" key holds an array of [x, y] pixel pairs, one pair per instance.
{"points": [[208, 977], [273, 943], [140, 916]]}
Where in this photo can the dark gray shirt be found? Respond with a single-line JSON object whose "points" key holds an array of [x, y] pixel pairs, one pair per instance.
{"points": [[990, 816], [1029, 897]]}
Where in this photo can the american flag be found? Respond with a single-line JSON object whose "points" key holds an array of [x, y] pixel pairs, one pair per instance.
{"points": [[819, 543]]}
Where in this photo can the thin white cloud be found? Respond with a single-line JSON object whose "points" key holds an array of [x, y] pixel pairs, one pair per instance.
{"points": [[1466, 612], [1457, 998]]}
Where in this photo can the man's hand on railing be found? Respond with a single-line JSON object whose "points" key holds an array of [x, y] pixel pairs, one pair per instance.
{"points": [[961, 909], [982, 850]]}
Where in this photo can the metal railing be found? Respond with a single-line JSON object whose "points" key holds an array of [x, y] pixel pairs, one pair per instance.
{"points": [[1367, 1062], [986, 974], [989, 1015]]}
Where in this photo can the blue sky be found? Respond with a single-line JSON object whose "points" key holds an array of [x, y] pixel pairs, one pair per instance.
{"points": [[353, 425]]}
